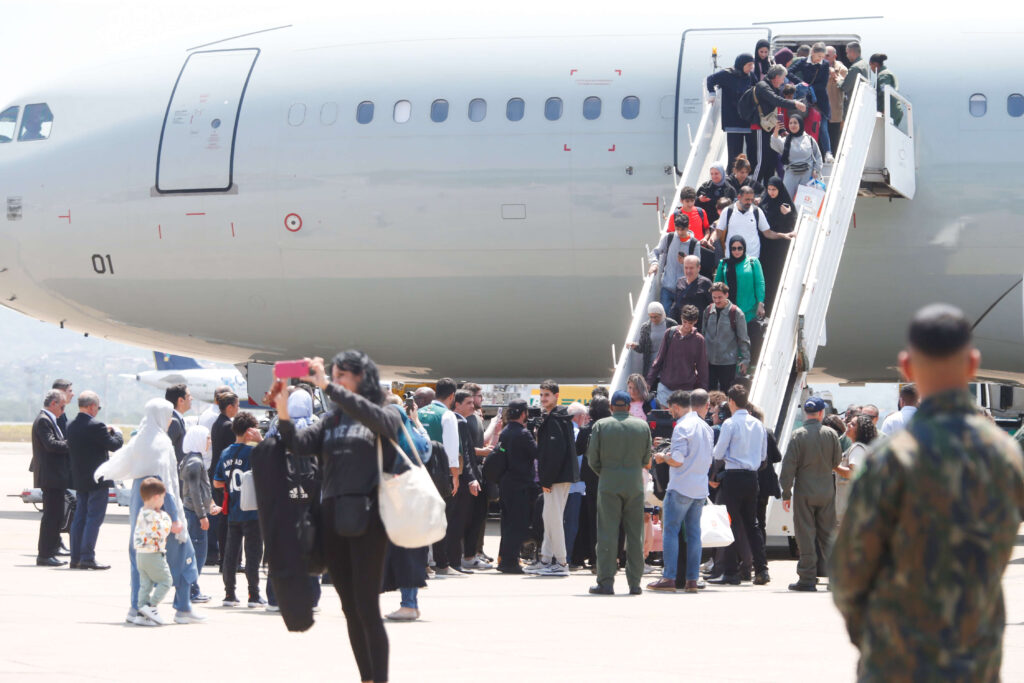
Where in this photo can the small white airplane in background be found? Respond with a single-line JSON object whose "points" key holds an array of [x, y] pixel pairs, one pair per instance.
{"points": [[202, 382]]}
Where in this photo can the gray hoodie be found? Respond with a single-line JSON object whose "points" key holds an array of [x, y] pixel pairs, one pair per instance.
{"points": [[727, 341]]}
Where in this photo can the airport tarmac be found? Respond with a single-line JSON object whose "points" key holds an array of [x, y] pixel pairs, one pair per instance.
{"points": [[63, 625]]}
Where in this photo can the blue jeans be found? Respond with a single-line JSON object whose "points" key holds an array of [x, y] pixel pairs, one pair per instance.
{"points": [[680, 510], [667, 298], [181, 558], [409, 596], [571, 522], [199, 542], [90, 509]]}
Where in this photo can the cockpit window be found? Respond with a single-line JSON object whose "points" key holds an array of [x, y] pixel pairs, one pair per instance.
{"points": [[36, 123], [8, 123]]}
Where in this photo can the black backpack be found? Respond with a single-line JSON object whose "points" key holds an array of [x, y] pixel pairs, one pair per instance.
{"points": [[747, 108], [438, 469]]}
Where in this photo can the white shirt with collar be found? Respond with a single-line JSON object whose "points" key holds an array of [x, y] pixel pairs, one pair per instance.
{"points": [[53, 419], [743, 442], [450, 435], [898, 421]]}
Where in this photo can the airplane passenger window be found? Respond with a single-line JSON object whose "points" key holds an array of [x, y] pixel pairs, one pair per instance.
{"points": [[515, 109], [296, 114], [630, 107], [8, 123], [978, 104], [1014, 105], [36, 123], [403, 110], [591, 108], [364, 112], [477, 109], [553, 108], [328, 113], [439, 111]]}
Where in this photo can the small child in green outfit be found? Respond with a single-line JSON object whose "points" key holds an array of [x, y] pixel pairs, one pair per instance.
{"points": [[151, 530]]}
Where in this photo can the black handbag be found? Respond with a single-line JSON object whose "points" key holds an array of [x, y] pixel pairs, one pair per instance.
{"points": [[352, 515]]}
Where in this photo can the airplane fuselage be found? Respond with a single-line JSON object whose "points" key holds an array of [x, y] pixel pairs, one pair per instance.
{"points": [[497, 249]]}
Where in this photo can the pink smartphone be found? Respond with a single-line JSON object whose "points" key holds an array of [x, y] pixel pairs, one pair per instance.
{"points": [[288, 369]]}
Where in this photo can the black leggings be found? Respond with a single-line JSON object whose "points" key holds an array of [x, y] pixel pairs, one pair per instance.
{"points": [[356, 565]]}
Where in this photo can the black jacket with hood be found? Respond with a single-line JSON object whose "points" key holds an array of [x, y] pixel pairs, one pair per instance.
{"points": [[556, 450], [733, 83]]}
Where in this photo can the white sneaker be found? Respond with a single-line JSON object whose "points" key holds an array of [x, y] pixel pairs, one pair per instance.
{"points": [[316, 609], [476, 563], [140, 620], [648, 569], [535, 567], [189, 617], [273, 608], [150, 613], [555, 569], [132, 615], [829, 159]]}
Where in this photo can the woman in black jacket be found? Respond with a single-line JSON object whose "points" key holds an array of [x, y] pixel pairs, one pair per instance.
{"points": [[734, 82], [781, 215], [354, 540]]}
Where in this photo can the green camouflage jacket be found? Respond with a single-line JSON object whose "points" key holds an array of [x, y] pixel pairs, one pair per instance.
{"points": [[930, 527]]}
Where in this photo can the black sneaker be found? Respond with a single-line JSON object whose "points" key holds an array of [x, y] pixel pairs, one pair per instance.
{"points": [[762, 578], [230, 600], [803, 587], [726, 580]]}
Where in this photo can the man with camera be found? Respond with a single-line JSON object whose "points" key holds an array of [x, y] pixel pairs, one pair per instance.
{"points": [[557, 470], [517, 447]]}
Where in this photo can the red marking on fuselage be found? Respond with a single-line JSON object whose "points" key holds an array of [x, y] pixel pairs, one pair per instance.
{"points": [[566, 148], [67, 216], [200, 213], [159, 232], [572, 71], [232, 228], [612, 148]]}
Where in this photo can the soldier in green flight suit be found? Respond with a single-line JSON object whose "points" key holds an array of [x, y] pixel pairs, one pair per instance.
{"points": [[620, 447], [932, 521]]}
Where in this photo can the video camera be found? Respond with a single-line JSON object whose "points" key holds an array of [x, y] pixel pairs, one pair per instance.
{"points": [[533, 419]]}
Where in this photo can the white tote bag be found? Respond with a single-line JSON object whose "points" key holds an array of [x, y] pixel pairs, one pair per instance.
{"points": [[715, 530], [247, 491], [410, 506]]}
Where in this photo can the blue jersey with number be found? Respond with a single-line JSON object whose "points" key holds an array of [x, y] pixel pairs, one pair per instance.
{"points": [[234, 461]]}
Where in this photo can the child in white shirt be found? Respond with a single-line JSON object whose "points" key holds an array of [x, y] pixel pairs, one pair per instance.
{"points": [[150, 539]]}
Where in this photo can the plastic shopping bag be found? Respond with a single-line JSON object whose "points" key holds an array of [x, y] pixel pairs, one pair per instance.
{"points": [[715, 528]]}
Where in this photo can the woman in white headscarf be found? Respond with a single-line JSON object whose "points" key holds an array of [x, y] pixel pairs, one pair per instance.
{"points": [[151, 454]]}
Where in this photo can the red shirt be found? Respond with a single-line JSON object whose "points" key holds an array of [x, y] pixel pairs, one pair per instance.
{"points": [[698, 222]]}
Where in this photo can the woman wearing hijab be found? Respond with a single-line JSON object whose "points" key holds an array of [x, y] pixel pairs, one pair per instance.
{"points": [[778, 210], [151, 454], [710, 192], [197, 496], [305, 482], [746, 284], [762, 58], [799, 154], [405, 569], [733, 83], [354, 540]]}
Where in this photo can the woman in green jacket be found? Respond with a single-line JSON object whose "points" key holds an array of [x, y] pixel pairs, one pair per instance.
{"points": [[744, 277]]}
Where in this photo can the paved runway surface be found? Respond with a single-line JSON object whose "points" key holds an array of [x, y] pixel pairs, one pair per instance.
{"points": [[58, 624]]}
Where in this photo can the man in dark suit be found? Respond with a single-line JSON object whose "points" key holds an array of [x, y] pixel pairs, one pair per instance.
{"points": [[63, 386], [50, 455], [221, 436], [89, 444], [179, 397]]}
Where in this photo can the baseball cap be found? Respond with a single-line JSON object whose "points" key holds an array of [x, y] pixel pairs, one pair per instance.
{"points": [[815, 404], [620, 398]]}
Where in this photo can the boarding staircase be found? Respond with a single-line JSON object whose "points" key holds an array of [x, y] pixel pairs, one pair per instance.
{"points": [[797, 325]]}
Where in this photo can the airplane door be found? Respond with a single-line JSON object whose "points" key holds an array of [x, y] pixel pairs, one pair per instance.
{"points": [[197, 143], [899, 143], [701, 53]]}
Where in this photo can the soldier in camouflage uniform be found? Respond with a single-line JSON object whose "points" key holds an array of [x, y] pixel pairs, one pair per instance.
{"points": [[932, 521]]}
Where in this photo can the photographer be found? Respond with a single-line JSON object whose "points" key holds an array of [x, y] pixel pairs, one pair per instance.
{"points": [[354, 540], [517, 446], [557, 470]]}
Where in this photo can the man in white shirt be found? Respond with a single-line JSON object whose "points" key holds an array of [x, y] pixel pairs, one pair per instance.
{"points": [[908, 406], [748, 221], [209, 416], [442, 426], [689, 461], [743, 446]]}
